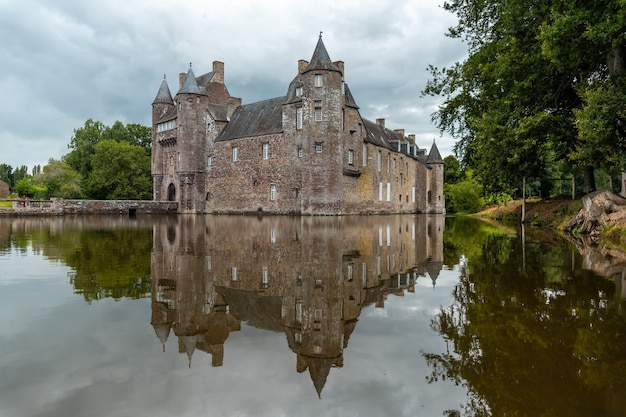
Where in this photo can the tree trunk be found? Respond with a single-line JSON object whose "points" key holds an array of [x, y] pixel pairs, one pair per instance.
{"points": [[599, 208], [590, 179]]}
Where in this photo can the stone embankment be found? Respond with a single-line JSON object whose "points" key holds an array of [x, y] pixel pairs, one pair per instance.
{"points": [[59, 207]]}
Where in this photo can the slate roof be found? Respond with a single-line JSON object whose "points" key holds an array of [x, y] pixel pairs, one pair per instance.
{"points": [[219, 113], [255, 119], [434, 157], [350, 102], [204, 79], [380, 136], [320, 59], [163, 96], [170, 115], [389, 139], [190, 86]]}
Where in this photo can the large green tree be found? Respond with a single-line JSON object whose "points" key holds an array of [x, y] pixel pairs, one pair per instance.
{"points": [[512, 104], [120, 170], [89, 160]]}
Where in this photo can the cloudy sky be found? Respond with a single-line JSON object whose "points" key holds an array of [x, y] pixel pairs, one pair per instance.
{"points": [[66, 61]]}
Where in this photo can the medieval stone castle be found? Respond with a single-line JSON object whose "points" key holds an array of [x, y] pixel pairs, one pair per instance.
{"points": [[309, 152]]}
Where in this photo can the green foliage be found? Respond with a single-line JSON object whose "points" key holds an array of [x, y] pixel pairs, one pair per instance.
{"points": [[6, 174], [497, 199], [59, 180], [602, 125], [464, 197], [82, 146], [125, 175], [452, 172], [25, 188], [120, 170], [516, 104]]}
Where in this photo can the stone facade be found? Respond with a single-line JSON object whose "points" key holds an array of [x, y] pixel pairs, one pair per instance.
{"points": [[27, 207], [309, 152]]}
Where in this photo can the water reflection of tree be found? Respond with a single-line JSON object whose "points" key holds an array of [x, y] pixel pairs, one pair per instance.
{"points": [[533, 336], [109, 255], [110, 263]]}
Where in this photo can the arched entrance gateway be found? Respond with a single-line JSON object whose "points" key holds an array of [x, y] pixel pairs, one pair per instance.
{"points": [[171, 192]]}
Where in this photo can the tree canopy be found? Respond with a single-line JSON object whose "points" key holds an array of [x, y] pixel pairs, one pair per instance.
{"points": [[113, 161], [542, 89]]}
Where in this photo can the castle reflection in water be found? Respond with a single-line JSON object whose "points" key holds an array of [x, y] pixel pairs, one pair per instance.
{"points": [[308, 277]]}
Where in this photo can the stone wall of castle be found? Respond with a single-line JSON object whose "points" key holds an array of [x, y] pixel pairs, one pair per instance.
{"points": [[321, 161]]}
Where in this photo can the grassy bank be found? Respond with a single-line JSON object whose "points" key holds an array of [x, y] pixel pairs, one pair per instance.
{"points": [[553, 214], [550, 213]]}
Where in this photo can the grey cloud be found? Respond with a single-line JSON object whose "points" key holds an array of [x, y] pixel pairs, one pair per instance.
{"points": [[67, 61]]}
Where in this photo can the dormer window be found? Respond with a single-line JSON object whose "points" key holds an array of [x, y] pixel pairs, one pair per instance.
{"points": [[299, 91], [319, 80]]}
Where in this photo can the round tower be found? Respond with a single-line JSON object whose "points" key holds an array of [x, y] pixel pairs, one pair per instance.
{"points": [[162, 108], [436, 201]]}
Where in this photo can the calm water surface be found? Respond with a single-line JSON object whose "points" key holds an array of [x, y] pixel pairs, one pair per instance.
{"points": [[285, 316]]}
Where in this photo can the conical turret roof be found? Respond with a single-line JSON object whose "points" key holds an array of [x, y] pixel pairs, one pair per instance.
{"points": [[434, 157], [320, 59], [190, 86], [163, 96]]}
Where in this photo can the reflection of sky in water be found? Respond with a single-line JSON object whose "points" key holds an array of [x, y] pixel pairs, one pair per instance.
{"points": [[60, 356]]}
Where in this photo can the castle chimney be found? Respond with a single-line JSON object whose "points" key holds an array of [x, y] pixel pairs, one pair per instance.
{"points": [[181, 80], [302, 65], [380, 122], [412, 137], [218, 72], [400, 132]]}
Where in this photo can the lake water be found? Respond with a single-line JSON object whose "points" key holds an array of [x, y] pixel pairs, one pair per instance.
{"points": [[305, 316]]}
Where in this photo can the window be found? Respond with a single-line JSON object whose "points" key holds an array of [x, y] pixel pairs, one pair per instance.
{"points": [[235, 154], [299, 91], [165, 126], [350, 157], [318, 147], [388, 191], [317, 315], [319, 81], [364, 154], [209, 161], [265, 277], [318, 110], [299, 117], [413, 194], [300, 152], [380, 191], [379, 161], [171, 160], [299, 312], [233, 273], [388, 161], [273, 192], [350, 272], [266, 150]]}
